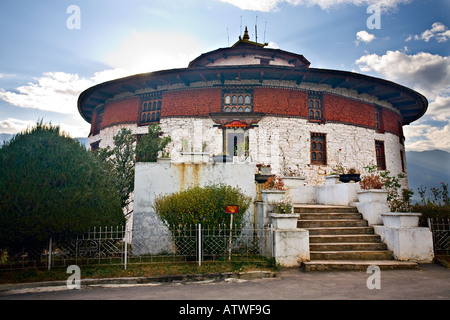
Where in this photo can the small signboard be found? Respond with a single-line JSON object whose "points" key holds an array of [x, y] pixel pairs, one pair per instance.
{"points": [[232, 209]]}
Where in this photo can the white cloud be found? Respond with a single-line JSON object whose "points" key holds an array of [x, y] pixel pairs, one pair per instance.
{"points": [[364, 36], [54, 91], [428, 74], [425, 72], [6, 75], [439, 109], [12, 126], [438, 30], [155, 50], [271, 5], [59, 91], [273, 45], [422, 137]]}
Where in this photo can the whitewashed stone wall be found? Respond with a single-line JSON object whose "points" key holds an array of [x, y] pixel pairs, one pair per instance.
{"points": [[285, 142], [282, 142]]}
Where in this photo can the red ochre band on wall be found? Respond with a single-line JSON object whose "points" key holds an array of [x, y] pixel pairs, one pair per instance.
{"points": [[267, 100]]}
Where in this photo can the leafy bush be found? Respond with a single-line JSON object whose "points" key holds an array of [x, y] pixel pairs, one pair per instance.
{"points": [[371, 181], [205, 205], [433, 204], [51, 185]]}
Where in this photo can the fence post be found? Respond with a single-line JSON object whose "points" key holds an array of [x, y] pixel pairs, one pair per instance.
{"points": [[199, 245], [126, 248], [50, 253]]}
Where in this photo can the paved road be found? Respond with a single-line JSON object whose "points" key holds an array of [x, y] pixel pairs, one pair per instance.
{"points": [[430, 282], [270, 298]]}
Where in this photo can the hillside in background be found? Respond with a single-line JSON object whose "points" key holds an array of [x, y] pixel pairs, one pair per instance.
{"points": [[427, 169]]}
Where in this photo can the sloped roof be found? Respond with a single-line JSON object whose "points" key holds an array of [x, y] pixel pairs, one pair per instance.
{"points": [[244, 48]]}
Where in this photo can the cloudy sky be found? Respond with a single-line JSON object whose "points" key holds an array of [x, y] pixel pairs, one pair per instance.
{"points": [[50, 51]]}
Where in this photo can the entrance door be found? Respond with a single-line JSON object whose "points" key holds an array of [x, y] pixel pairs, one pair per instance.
{"points": [[234, 139]]}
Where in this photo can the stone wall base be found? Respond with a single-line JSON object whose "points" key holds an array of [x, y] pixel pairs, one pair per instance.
{"points": [[408, 244]]}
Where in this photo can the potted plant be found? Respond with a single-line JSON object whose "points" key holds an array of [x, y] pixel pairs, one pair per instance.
{"points": [[401, 215], [292, 178], [242, 151], [350, 175], [283, 217], [274, 190], [165, 156], [264, 169], [372, 189], [372, 186]]}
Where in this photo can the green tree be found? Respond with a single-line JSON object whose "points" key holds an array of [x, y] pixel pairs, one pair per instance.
{"points": [[50, 185], [151, 143], [120, 160]]}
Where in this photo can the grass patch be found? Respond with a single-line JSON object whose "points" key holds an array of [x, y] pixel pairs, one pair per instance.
{"points": [[133, 270]]}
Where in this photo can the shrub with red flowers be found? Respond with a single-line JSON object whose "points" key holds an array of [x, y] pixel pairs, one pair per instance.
{"points": [[274, 183]]}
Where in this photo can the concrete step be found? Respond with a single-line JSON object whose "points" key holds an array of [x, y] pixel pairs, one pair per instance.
{"points": [[340, 230], [305, 224], [357, 265], [351, 255], [323, 209], [344, 238], [330, 215], [348, 246]]}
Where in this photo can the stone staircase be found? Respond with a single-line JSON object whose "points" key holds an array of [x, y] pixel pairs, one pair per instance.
{"points": [[340, 239]]}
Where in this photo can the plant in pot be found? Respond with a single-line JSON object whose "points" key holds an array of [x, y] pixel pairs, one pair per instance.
{"points": [[273, 190], [282, 217], [350, 175], [274, 183], [283, 206], [264, 169], [372, 186]]}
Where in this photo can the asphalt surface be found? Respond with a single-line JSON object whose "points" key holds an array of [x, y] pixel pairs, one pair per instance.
{"points": [[429, 282]]}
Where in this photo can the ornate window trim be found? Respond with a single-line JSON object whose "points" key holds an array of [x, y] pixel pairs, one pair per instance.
{"points": [[150, 108], [318, 148], [315, 107], [237, 100]]}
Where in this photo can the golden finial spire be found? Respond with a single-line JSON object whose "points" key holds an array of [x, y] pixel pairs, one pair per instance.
{"points": [[246, 36]]}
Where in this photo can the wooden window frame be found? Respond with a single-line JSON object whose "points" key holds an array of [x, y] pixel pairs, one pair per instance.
{"points": [[318, 154], [150, 108], [380, 155], [379, 123], [315, 99], [237, 97]]}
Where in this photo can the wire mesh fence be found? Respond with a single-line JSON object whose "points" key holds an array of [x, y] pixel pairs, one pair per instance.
{"points": [[120, 246], [440, 228]]}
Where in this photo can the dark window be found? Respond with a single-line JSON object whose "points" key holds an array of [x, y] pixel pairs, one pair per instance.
{"points": [[150, 108], [315, 110], [95, 146], [379, 152], [318, 149], [234, 99], [402, 159], [98, 121], [379, 120]]}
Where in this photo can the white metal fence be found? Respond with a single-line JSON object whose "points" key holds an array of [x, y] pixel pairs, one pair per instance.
{"points": [[120, 246]]}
